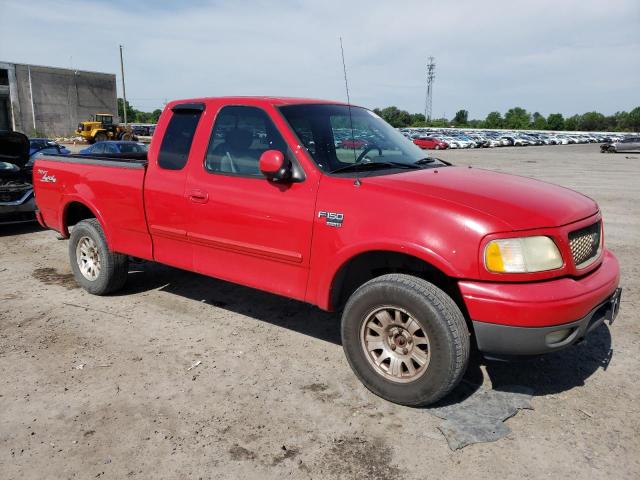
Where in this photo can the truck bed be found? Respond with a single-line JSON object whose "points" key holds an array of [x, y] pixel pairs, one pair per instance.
{"points": [[112, 188]]}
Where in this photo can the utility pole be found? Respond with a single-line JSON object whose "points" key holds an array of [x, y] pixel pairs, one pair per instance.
{"points": [[124, 91], [33, 110], [431, 75]]}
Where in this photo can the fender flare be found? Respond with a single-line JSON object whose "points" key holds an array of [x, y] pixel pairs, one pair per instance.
{"points": [[326, 281], [66, 203]]}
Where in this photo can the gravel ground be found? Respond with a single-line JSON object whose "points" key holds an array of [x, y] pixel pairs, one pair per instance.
{"points": [[102, 386]]}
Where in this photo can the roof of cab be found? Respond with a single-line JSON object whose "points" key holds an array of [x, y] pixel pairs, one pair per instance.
{"points": [[258, 100]]}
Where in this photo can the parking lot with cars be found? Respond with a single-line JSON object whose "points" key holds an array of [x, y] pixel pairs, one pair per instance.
{"points": [[181, 373], [454, 138]]}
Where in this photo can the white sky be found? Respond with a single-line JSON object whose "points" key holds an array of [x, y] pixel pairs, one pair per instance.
{"points": [[548, 56]]}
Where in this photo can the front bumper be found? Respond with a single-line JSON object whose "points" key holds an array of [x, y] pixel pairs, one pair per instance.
{"points": [[497, 339], [18, 211], [515, 318]]}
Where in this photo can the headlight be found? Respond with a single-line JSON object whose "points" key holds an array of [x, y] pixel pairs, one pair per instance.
{"points": [[522, 255]]}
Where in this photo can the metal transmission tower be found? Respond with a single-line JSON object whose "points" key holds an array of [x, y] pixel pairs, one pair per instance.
{"points": [[431, 75]]}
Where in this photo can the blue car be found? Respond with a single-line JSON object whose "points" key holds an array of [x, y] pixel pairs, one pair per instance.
{"points": [[44, 145], [114, 147]]}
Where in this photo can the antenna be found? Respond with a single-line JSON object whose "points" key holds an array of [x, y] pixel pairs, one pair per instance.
{"points": [[346, 86]]}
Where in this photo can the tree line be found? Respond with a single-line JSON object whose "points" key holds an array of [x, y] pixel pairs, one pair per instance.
{"points": [[138, 116], [518, 118]]}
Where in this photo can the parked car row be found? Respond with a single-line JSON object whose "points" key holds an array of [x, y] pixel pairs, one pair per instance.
{"points": [[438, 139]]}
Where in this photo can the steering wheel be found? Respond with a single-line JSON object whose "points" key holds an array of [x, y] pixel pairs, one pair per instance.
{"points": [[366, 150]]}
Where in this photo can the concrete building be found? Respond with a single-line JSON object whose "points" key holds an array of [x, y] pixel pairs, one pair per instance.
{"points": [[47, 101]]}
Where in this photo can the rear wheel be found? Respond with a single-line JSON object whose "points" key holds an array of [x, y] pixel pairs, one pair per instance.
{"points": [[405, 339], [95, 268], [100, 137]]}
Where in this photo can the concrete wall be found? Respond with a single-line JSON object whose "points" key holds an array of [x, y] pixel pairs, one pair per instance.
{"points": [[60, 98]]}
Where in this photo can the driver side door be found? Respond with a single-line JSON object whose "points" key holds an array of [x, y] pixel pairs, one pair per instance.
{"points": [[243, 227]]}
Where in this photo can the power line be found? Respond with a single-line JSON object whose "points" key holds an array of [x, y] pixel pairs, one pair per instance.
{"points": [[431, 75]]}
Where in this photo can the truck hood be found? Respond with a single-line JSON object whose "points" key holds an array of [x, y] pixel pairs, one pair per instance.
{"points": [[523, 203], [14, 148]]}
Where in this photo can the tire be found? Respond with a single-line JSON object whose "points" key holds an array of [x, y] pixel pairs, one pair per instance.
{"points": [[88, 247], [437, 147], [100, 137], [442, 328]]}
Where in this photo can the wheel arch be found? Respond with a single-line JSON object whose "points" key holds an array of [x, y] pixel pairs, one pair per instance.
{"points": [[363, 266], [76, 210]]}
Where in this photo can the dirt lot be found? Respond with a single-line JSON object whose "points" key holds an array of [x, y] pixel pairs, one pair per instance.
{"points": [[101, 387]]}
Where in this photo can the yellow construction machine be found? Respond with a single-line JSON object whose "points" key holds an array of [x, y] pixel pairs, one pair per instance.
{"points": [[101, 127]]}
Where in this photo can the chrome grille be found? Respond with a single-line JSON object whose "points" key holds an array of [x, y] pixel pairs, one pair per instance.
{"points": [[585, 244], [12, 194]]}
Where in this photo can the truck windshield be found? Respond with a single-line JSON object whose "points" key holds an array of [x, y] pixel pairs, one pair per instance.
{"points": [[335, 141]]}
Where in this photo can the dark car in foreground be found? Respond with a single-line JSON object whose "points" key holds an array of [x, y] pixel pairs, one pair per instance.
{"points": [[45, 145], [17, 202]]}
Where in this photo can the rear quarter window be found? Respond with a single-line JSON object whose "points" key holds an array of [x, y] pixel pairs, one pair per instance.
{"points": [[174, 150]]}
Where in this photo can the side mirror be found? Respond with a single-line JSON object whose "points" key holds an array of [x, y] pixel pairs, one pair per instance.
{"points": [[275, 166]]}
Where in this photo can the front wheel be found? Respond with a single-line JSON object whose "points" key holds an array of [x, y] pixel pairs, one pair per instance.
{"points": [[95, 268], [405, 339]]}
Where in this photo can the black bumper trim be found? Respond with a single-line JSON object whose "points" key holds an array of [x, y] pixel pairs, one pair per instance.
{"points": [[496, 339]]}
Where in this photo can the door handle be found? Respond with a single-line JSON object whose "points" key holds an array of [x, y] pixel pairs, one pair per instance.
{"points": [[198, 196]]}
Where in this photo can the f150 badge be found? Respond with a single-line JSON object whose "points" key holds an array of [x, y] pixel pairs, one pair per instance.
{"points": [[333, 219], [46, 178]]}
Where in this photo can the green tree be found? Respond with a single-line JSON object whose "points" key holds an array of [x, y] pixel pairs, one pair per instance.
{"points": [[538, 121], [621, 120], [155, 115], [591, 121], [394, 116], [572, 123], [138, 116], [633, 120], [131, 112], [494, 120], [461, 117], [418, 120], [517, 118], [439, 122], [555, 121]]}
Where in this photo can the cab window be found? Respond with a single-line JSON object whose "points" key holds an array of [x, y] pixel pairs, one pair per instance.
{"points": [[240, 135], [176, 144]]}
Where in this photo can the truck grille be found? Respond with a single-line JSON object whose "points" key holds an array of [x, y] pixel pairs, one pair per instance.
{"points": [[585, 244], [13, 192]]}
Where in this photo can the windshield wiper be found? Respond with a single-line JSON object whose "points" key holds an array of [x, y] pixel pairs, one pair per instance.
{"points": [[367, 165], [424, 161], [430, 160]]}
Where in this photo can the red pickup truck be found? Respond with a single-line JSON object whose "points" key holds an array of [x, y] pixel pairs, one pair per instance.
{"points": [[423, 259]]}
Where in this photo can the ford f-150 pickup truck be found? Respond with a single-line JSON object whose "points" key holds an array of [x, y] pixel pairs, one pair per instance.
{"points": [[326, 203]]}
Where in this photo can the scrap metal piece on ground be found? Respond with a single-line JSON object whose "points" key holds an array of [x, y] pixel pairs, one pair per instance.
{"points": [[194, 365], [480, 416]]}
